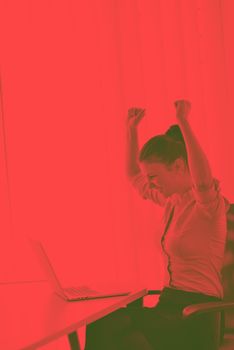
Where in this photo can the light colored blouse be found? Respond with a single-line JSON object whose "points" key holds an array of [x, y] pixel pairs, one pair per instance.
{"points": [[194, 243]]}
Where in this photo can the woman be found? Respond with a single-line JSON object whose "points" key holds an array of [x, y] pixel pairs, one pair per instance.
{"points": [[173, 171]]}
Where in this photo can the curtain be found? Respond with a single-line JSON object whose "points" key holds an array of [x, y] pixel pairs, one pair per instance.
{"points": [[70, 70]]}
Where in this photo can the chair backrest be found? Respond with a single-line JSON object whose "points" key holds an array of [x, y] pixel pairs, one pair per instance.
{"points": [[228, 267]]}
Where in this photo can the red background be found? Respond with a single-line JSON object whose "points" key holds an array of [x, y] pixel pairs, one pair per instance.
{"points": [[69, 72]]}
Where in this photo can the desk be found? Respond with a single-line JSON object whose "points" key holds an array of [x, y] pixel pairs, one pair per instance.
{"points": [[31, 315]]}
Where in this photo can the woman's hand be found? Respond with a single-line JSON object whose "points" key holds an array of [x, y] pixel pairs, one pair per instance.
{"points": [[134, 116], [183, 108]]}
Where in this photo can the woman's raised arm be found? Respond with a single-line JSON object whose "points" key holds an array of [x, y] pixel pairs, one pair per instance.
{"points": [[198, 163], [134, 117]]}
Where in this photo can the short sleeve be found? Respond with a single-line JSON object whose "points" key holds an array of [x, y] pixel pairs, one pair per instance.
{"points": [[210, 198], [141, 184]]}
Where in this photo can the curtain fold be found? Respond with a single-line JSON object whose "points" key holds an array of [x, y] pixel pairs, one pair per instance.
{"points": [[70, 70]]}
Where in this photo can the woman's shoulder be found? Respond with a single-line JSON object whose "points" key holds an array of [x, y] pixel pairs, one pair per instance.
{"points": [[211, 199]]}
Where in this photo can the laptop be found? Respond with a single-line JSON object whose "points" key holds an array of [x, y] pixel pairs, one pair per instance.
{"points": [[71, 293]]}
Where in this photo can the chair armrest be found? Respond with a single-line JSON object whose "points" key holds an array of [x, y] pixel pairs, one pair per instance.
{"points": [[202, 308]]}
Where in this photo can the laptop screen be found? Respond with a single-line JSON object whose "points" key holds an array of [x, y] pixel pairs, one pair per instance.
{"points": [[44, 261]]}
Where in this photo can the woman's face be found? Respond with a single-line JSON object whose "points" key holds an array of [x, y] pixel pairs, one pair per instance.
{"points": [[163, 177]]}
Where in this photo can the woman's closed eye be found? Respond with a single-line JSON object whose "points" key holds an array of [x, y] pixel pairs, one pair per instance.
{"points": [[151, 177]]}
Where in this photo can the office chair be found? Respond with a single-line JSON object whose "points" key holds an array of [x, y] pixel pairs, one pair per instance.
{"points": [[208, 326]]}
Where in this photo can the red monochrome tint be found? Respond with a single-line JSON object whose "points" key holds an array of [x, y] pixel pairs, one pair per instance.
{"points": [[70, 71]]}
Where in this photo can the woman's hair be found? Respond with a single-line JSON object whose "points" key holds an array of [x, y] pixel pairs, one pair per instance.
{"points": [[165, 148]]}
